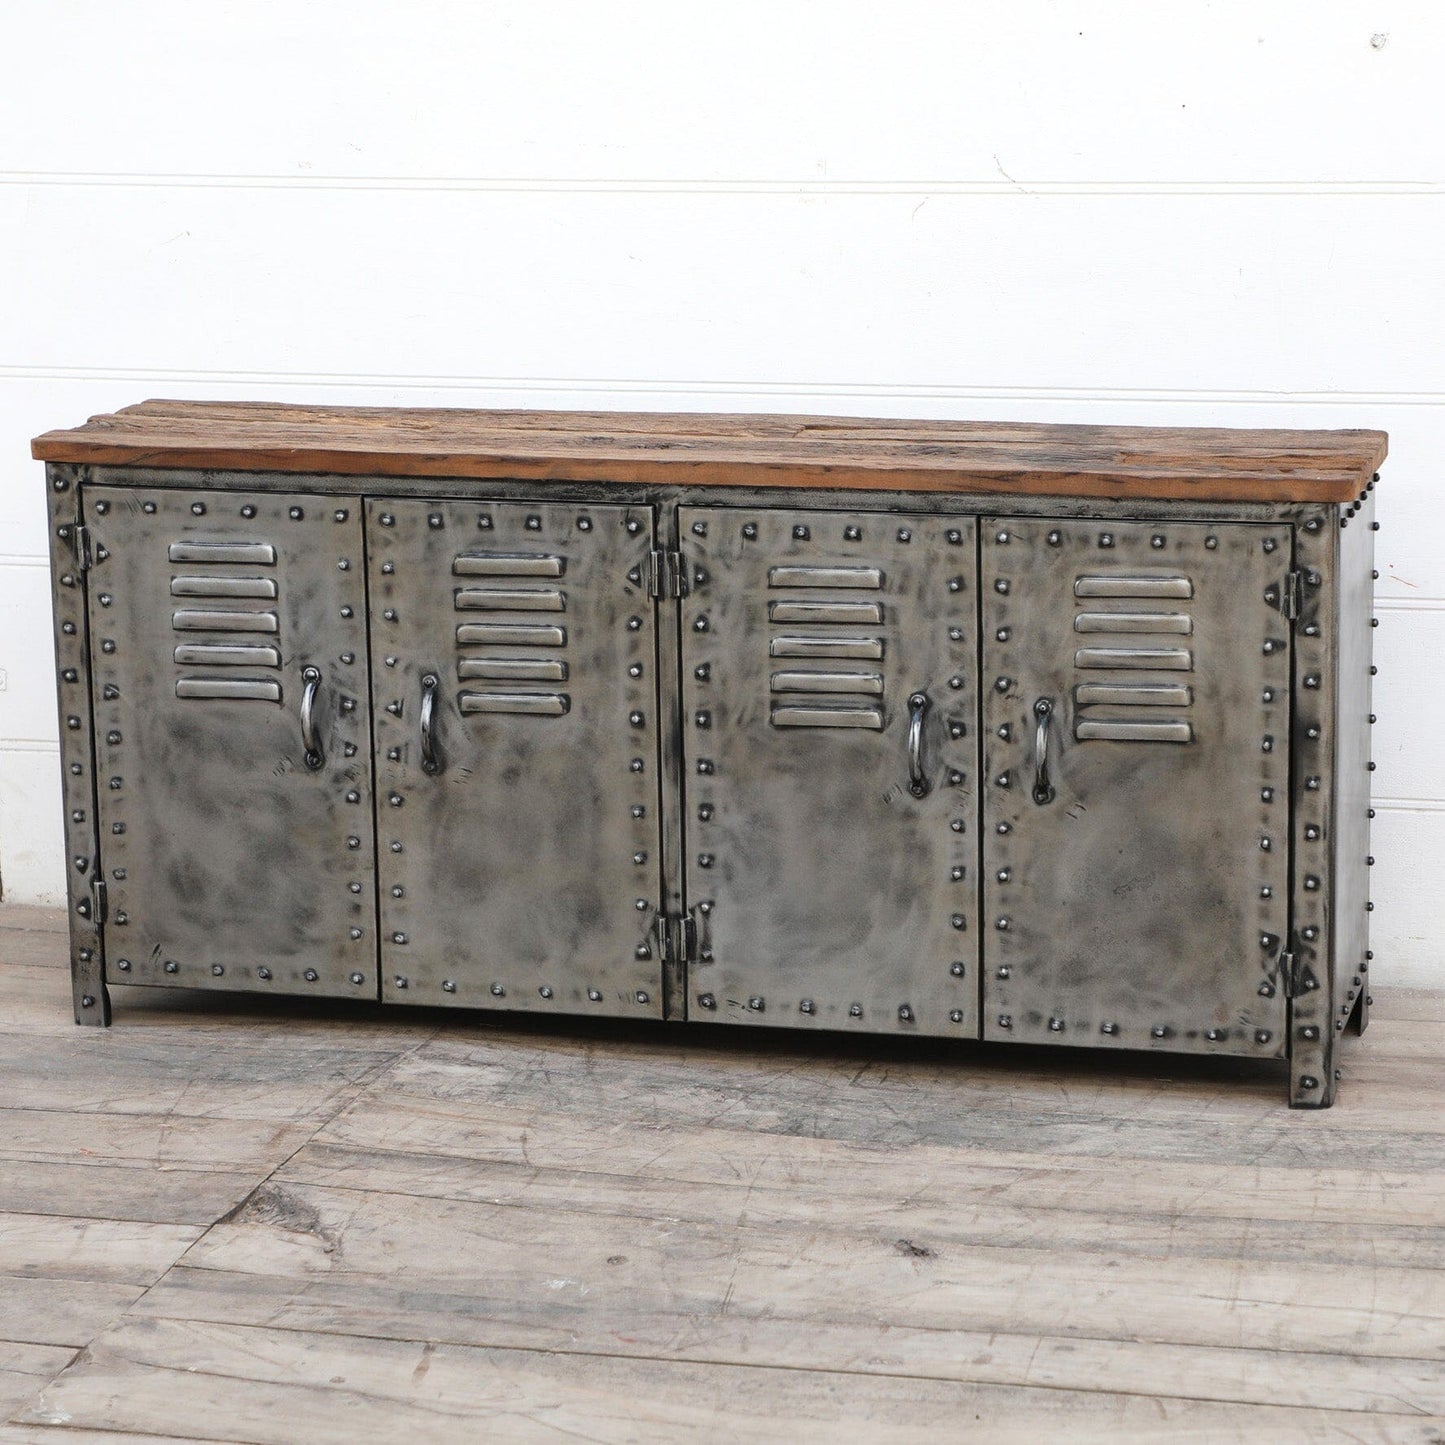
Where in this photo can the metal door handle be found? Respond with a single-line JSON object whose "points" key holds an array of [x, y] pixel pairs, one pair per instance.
{"points": [[917, 782], [315, 755], [430, 763], [1043, 789]]}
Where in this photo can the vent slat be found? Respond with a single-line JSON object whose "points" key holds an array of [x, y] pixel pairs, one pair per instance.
{"points": [[223, 587], [1125, 585], [256, 554], [821, 716], [1172, 622], [869, 578], [234, 688], [510, 599], [1134, 694], [517, 669], [1163, 659], [508, 564], [846, 612], [1119, 731], [510, 634], [225, 654], [870, 683], [200, 621], [870, 648], [533, 704]]}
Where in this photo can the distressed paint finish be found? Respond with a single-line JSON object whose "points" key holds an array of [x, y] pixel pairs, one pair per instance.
{"points": [[63, 485], [826, 893], [1143, 900], [232, 862], [519, 854]]}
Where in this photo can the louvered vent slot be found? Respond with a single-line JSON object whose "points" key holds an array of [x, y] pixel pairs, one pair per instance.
{"points": [[229, 620], [828, 630], [508, 646], [1132, 639]]}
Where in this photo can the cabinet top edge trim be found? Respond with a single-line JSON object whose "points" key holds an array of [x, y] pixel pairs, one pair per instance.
{"points": [[742, 450]]}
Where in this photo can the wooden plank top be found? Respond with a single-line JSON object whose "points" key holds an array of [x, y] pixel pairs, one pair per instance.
{"points": [[856, 453]]}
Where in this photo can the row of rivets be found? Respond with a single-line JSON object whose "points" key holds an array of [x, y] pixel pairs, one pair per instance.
{"points": [[757, 1004]]}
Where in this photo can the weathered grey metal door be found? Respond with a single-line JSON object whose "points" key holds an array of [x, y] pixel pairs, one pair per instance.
{"points": [[1136, 799], [232, 738], [514, 665], [830, 702]]}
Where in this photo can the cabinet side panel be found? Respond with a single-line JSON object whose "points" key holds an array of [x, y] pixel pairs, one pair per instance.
{"points": [[1319, 751], [1350, 834], [77, 754]]}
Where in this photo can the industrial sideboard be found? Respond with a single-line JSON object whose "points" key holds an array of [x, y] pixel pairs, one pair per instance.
{"points": [[1040, 734]]}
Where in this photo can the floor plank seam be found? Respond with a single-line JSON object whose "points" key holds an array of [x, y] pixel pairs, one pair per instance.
{"points": [[669, 1361], [1262, 1351]]}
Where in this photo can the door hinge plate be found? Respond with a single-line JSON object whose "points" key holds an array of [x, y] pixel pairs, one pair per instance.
{"points": [[1289, 597], [99, 902], [677, 938], [80, 541], [666, 576]]}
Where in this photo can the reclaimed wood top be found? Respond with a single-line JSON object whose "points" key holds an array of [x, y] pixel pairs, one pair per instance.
{"points": [[1203, 464]]}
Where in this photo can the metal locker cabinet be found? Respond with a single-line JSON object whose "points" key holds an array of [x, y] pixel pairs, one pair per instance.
{"points": [[232, 742], [829, 701], [1136, 808], [514, 663], [1036, 733]]}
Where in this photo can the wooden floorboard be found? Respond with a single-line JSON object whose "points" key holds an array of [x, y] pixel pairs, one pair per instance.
{"points": [[237, 1220]]}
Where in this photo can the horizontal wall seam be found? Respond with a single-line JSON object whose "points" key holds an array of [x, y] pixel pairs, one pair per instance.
{"points": [[691, 186], [695, 387]]}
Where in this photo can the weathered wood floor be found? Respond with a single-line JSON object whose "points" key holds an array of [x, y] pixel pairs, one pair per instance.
{"points": [[238, 1221]]}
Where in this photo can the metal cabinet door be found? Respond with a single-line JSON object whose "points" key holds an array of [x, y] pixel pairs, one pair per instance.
{"points": [[514, 663], [1136, 798], [232, 739], [829, 690]]}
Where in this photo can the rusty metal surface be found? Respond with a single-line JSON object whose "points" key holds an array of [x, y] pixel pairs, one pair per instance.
{"points": [[1139, 895], [230, 863], [519, 863], [826, 892]]}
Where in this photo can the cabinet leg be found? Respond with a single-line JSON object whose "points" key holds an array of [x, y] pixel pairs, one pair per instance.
{"points": [[91, 996], [1312, 1073], [1360, 1019]]}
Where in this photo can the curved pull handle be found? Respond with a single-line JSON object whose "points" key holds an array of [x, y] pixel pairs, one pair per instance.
{"points": [[310, 739], [430, 762], [918, 783], [1043, 788]]}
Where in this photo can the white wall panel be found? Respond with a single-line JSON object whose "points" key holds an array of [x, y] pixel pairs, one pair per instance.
{"points": [[32, 844], [27, 655], [1405, 926], [783, 90], [1256, 293]]}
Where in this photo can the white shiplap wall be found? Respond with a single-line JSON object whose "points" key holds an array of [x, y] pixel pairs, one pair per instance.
{"points": [[1230, 214]]}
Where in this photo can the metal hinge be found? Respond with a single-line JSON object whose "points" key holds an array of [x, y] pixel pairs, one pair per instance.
{"points": [[666, 576], [80, 541], [1296, 975], [1289, 597], [676, 938], [99, 903]]}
